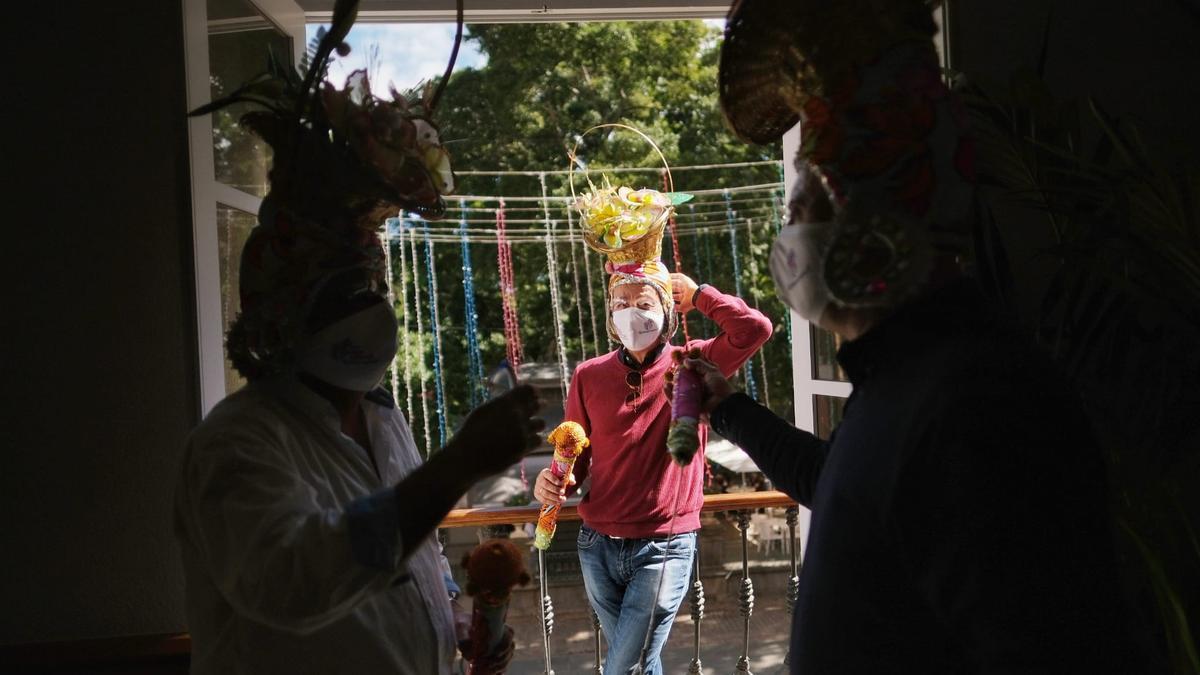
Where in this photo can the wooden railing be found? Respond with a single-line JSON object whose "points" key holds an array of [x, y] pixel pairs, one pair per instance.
{"points": [[519, 515]]}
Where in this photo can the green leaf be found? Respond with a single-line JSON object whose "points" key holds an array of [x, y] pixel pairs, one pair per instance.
{"points": [[678, 198]]}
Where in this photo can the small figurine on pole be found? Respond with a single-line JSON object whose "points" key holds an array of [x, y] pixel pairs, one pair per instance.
{"points": [[493, 569]]}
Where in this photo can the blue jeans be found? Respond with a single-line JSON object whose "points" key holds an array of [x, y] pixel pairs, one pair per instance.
{"points": [[622, 579]]}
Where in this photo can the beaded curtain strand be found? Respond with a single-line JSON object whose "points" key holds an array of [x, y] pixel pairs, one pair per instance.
{"points": [[508, 302], [591, 287], [405, 349], [762, 353], [412, 247], [675, 252], [704, 277], [435, 326], [731, 218], [705, 267], [508, 293], [471, 319], [391, 300], [575, 277], [552, 266], [778, 203]]}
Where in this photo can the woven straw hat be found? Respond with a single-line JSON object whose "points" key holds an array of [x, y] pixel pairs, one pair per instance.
{"points": [[778, 54]]}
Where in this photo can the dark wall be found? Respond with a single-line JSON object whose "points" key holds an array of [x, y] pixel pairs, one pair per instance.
{"points": [[1140, 60], [99, 353]]}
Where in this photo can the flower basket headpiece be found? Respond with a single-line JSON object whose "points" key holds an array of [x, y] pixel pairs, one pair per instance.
{"points": [[624, 224], [627, 226], [343, 160], [879, 127]]}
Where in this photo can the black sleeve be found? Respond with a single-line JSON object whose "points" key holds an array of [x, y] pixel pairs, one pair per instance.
{"points": [[792, 458], [1004, 501]]}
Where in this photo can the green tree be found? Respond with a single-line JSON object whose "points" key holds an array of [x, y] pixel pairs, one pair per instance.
{"points": [[542, 87]]}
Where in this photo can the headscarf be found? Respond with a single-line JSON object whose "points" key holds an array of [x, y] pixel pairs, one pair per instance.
{"points": [[652, 273]]}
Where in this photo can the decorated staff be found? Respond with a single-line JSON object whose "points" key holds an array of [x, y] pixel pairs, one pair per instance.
{"points": [[569, 441]]}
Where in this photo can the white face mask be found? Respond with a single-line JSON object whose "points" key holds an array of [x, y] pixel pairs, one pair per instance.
{"points": [[798, 268], [352, 353], [637, 328]]}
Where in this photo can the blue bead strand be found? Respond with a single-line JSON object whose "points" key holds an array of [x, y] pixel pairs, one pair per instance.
{"points": [[731, 220], [474, 356], [437, 335]]}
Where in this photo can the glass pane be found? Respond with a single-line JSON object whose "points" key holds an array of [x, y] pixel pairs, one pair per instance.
{"points": [[233, 227], [238, 42], [825, 346], [827, 413]]}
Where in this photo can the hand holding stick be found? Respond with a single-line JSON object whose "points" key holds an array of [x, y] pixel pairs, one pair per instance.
{"points": [[569, 442], [493, 569]]}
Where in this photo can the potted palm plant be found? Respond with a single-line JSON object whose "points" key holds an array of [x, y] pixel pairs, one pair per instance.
{"points": [[1109, 282]]}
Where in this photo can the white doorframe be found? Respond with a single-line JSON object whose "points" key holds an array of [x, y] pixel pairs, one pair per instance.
{"points": [[207, 192], [805, 385]]}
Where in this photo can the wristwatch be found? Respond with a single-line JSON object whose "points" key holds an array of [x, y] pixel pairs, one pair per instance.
{"points": [[696, 294]]}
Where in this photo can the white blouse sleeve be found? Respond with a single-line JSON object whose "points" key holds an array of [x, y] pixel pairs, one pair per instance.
{"points": [[275, 554]]}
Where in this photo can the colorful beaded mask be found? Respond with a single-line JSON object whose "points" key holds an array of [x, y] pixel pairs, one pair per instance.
{"points": [[878, 126]]}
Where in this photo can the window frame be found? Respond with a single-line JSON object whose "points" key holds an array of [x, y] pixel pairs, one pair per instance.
{"points": [[208, 192]]}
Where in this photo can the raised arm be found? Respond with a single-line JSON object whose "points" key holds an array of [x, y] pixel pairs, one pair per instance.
{"points": [[743, 329], [256, 527]]}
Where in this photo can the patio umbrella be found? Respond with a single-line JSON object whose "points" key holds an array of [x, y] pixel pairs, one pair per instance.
{"points": [[729, 456]]}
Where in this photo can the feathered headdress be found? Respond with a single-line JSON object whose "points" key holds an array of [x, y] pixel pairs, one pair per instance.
{"points": [[343, 160]]}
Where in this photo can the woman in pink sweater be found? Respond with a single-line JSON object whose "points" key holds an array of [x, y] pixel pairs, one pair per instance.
{"points": [[638, 497]]}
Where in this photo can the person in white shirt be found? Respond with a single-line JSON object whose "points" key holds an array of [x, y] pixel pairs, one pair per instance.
{"points": [[303, 511], [305, 514]]}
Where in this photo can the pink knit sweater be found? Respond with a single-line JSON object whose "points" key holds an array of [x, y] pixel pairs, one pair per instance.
{"points": [[636, 489]]}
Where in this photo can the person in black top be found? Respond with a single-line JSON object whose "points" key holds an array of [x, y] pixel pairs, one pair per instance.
{"points": [[959, 511]]}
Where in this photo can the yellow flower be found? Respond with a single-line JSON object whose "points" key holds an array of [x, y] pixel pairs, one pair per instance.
{"points": [[620, 215], [612, 238], [635, 225], [648, 197]]}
